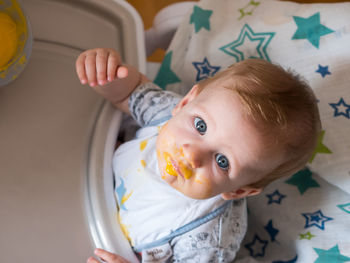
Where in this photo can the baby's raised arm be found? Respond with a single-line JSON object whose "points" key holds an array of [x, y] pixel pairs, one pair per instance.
{"points": [[103, 70]]}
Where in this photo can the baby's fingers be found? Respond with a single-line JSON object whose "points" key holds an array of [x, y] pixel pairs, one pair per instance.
{"points": [[113, 63], [80, 68], [115, 67], [92, 260], [122, 72], [109, 257], [101, 66], [90, 68]]}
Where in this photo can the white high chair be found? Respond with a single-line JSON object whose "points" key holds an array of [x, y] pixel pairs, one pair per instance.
{"points": [[56, 191]]}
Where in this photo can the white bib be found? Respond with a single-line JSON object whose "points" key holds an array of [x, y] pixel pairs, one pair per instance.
{"points": [[149, 208]]}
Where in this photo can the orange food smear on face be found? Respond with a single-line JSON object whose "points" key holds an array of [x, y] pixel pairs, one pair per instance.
{"points": [[198, 181], [187, 172], [179, 152], [201, 180], [169, 167]]}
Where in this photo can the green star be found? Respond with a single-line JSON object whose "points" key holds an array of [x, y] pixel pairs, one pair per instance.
{"points": [[303, 180], [248, 9], [307, 236], [320, 147], [165, 75], [200, 18], [332, 255], [311, 29]]}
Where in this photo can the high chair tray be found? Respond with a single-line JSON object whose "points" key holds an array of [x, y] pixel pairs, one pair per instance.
{"points": [[48, 126]]}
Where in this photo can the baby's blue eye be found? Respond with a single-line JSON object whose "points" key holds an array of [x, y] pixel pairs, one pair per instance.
{"points": [[222, 161], [200, 125]]}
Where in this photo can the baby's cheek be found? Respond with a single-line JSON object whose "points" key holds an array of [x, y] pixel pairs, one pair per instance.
{"points": [[200, 179], [171, 180], [203, 186]]}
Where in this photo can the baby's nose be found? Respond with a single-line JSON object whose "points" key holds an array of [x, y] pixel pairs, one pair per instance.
{"points": [[192, 154]]}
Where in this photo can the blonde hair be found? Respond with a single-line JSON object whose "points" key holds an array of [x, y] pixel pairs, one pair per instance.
{"points": [[279, 101]]}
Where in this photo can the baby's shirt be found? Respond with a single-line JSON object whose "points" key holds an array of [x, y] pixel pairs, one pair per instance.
{"points": [[150, 209], [154, 216], [149, 105]]}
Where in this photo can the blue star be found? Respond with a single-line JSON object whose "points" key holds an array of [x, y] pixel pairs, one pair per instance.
{"points": [[257, 249], [204, 69], [275, 197], [271, 230], [288, 261], [345, 207], [247, 38], [165, 75], [344, 110], [323, 71], [200, 18], [311, 29], [330, 255], [316, 219]]}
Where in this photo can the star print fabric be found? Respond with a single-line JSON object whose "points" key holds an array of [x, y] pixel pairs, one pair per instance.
{"points": [[306, 38], [299, 221], [306, 217]]}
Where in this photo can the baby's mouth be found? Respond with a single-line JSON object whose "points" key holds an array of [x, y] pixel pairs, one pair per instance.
{"points": [[175, 168]]}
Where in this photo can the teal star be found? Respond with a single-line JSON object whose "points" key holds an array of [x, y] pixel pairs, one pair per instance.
{"points": [[332, 255], [311, 29], [345, 207], [200, 18], [165, 75], [303, 180], [320, 147], [257, 43]]}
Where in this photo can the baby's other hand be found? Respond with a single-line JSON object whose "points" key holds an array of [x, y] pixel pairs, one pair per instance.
{"points": [[99, 66], [107, 257]]}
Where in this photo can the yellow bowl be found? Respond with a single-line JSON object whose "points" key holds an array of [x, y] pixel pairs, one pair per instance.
{"points": [[15, 40]]}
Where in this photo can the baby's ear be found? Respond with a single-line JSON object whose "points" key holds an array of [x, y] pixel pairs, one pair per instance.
{"points": [[241, 192], [189, 97]]}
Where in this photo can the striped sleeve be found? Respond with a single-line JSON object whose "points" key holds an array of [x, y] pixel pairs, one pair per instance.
{"points": [[150, 105]]}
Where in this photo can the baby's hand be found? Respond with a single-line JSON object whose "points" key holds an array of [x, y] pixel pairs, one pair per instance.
{"points": [[107, 257], [99, 66]]}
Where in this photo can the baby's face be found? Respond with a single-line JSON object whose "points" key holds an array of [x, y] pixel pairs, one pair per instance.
{"points": [[210, 148]]}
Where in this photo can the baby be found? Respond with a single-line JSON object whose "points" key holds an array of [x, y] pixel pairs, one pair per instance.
{"points": [[181, 183]]}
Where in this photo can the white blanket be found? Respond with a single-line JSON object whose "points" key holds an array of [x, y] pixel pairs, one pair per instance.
{"points": [[304, 218]]}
